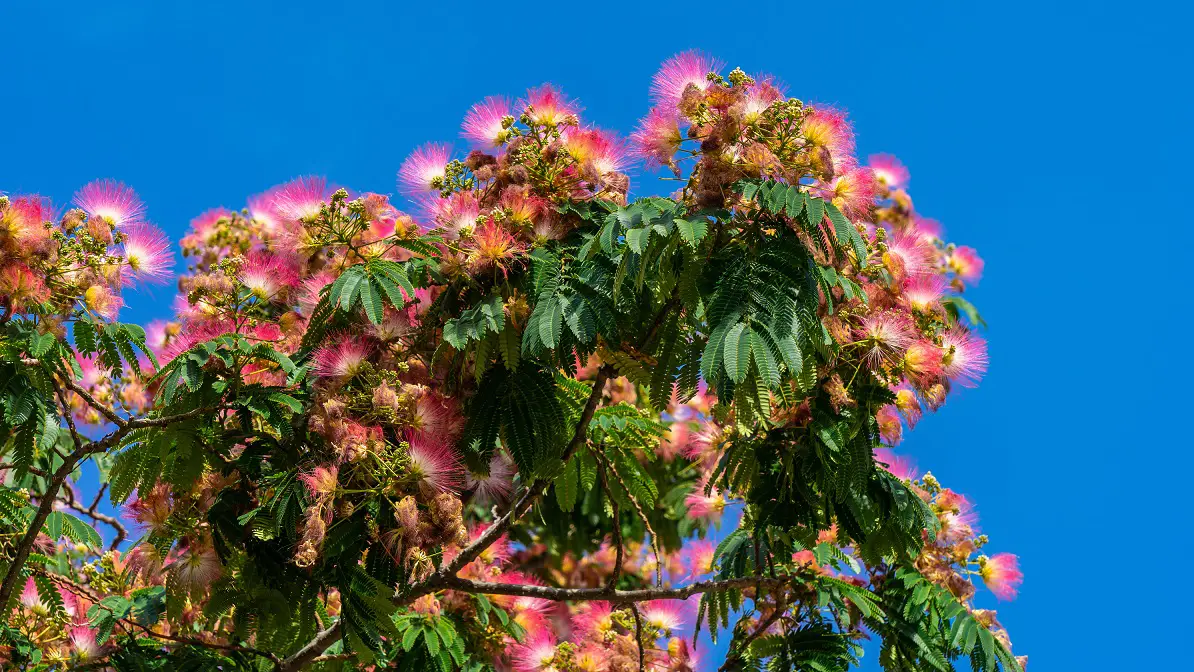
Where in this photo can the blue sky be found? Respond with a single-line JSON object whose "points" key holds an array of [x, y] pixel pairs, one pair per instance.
{"points": [[1051, 138]]}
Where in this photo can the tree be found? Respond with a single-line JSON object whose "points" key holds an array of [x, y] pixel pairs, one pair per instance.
{"points": [[504, 435]]}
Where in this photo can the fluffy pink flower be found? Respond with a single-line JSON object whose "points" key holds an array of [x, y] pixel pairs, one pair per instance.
{"points": [[891, 429], [424, 166], [146, 252], [957, 516], [456, 213], [899, 466], [1002, 574], [690, 68], [966, 263], [853, 191], [495, 486], [592, 621], [705, 507], [483, 123], [308, 294], [548, 106], [321, 481], [434, 464], [596, 151], [908, 404], [888, 170], [965, 357], [658, 137], [826, 128], [195, 568], [536, 653], [759, 97], [885, 336], [437, 417], [343, 358], [31, 599], [699, 557], [262, 208], [111, 200], [267, 275], [666, 615], [300, 198], [908, 255], [82, 640], [21, 288], [923, 293], [921, 363]]}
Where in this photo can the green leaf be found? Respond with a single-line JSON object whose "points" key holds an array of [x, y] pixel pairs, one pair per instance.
{"points": [[736, 353], [567, 485]]}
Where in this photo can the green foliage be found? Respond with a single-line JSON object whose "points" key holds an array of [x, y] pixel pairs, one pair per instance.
{"points": [[521, 408]]}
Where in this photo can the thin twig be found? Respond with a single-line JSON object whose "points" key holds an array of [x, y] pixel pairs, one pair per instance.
{"points": [[638, 636]]}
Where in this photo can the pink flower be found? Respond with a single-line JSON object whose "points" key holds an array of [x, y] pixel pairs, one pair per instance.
{"points": [[267, 275], [595, 150], [262, 209], [889, 170], [899, 466], [966, 263], [665, 615], [434, 464], [321, 481], [658, 137], [111, 200], [826, 128], [483, 123], [908, 404], [494, 487], [690, 68], [536, 653], [344, 358], [891, 429], [923, 293], [700, 554], [308, 294], [965, 358], [196, 568], [422, 170], [908, 255], [705, 507], [547, 106], [853, 191], [921, 363], [592, 620], [457, 213], [146, 252], [1002, 575], [437, 417], [885, 336], [21, 288], [300, 198], [759, 97], [956, 516], [31, 599], [82, 639]]}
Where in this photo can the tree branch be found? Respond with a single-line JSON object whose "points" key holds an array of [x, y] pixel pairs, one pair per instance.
{"points": [[614, 596]]}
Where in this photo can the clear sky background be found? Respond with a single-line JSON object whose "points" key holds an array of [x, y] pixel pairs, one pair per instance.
{"points": [[1051, 136]]}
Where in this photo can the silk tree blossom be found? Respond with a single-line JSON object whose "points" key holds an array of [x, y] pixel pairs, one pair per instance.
{"points": [[267, 275], [598, 151], [535, 654], [908, 255], [700, 554], [494, 487], [83, 644], [923, 293], [700, 506], [195, 569], [456, 214], [146, 252], [1001, 572], [344, 358], [300, 199], [900, 466], [690, 68], [965, 357], [853, 191], [20, 288], [966, 263], [765, 92], [888, 170], [885, 336], [827, 129], [434, 464], [424, 168], [111, 200], [484, 123], [658, 137], [548, 106], [664, 615], [492, 248]]}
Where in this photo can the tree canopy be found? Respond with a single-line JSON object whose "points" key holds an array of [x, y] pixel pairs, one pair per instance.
{"points": [[539, 424]]}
